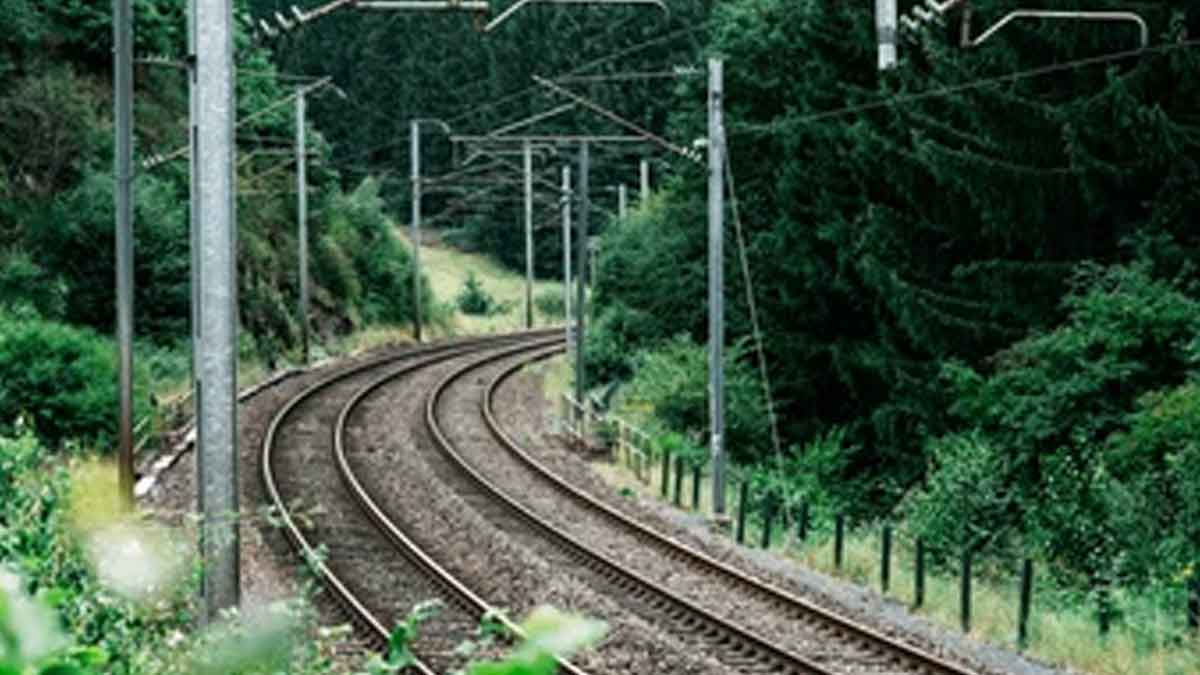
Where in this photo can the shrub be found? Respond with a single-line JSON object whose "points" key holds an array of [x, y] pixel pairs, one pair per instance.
{"points": [[25, 285], [63, 379], [359, 232], [1037, 428], [474, 299], [551, 304], [670, 385]]}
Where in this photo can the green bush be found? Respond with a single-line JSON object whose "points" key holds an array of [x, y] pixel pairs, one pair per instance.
{"points": [[551, 304], [474, 299], [63, 380], [360, 236], [74, 240], [670, 385], [85, 590], [1052, 444], [26, 285]]}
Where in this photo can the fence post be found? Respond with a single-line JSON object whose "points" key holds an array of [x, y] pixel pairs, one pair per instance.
{"points": [[1104, 608], [768, 518], [802, 525], [1026, 601], [919, 582], [1193, 603], [839, 540], [885, 562], [965, 591], [679, 481], [696, 471], [666, 473], [743, 496]]}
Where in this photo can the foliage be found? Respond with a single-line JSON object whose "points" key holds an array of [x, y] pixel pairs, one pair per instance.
{"points": [[1038, 460], [63, 380], [474, 299], [551, 304], [670, 384], [26, 286], [75, 240], [1156, 460], [358, 227], [549, 633], [49, 127], [86, 589], [886, 241]]}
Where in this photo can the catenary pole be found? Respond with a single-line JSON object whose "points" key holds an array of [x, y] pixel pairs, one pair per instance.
{"points": [[566, 229], [302, 217], [716, 300], [644, 170], [414, 145], [885, 32], [527, 156], [581, 260], [215, 298], [123, 112]]}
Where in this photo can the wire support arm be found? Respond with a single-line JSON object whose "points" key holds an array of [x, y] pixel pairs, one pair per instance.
{"points": [[614, 117]]}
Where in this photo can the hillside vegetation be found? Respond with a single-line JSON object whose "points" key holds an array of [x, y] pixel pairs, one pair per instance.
{"points": [[975, 274]]}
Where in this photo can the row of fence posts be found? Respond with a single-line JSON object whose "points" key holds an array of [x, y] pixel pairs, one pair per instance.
{"points": [[637, 457]]}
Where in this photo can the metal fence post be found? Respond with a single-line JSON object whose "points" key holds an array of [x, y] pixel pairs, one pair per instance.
{"points": [[1193, 603], [743, 497], [768, 519], [1026, 601], [965, 592], [885, 562], [696, 471], [802, 524], [839, 540], [1104, 608], [919, 582]]}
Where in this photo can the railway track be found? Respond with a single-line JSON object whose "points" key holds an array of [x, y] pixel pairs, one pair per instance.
{"points": [[830, 643], [349, 545], [375, 569]]}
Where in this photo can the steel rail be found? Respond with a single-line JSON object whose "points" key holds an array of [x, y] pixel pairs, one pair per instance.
{"points": [[799, 607], [403, 543], [375, 631], [737, 643]]}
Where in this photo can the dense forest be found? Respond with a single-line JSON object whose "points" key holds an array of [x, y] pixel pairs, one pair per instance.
{"points": [[947, 256], [974, 273]]}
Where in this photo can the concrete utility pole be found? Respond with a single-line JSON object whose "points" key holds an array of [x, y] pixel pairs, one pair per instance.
{"points": [[527, 155], [621, 201], [716, 284], [123, 113], [581, 243], [566, 246], [644, 168], [302, 216], [414, 144], [885, 32], [214, 296]]}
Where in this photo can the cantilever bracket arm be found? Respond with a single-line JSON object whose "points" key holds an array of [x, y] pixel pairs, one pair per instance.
{"points": [[1124, 17], [519, 4]]}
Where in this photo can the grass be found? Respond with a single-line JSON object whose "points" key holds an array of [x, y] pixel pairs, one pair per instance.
{"points": [[1151, 640], [447, 269]]}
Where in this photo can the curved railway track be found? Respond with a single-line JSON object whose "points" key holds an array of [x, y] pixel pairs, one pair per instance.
{"points": [[855, 647], [818, 643], [350, 561]]}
